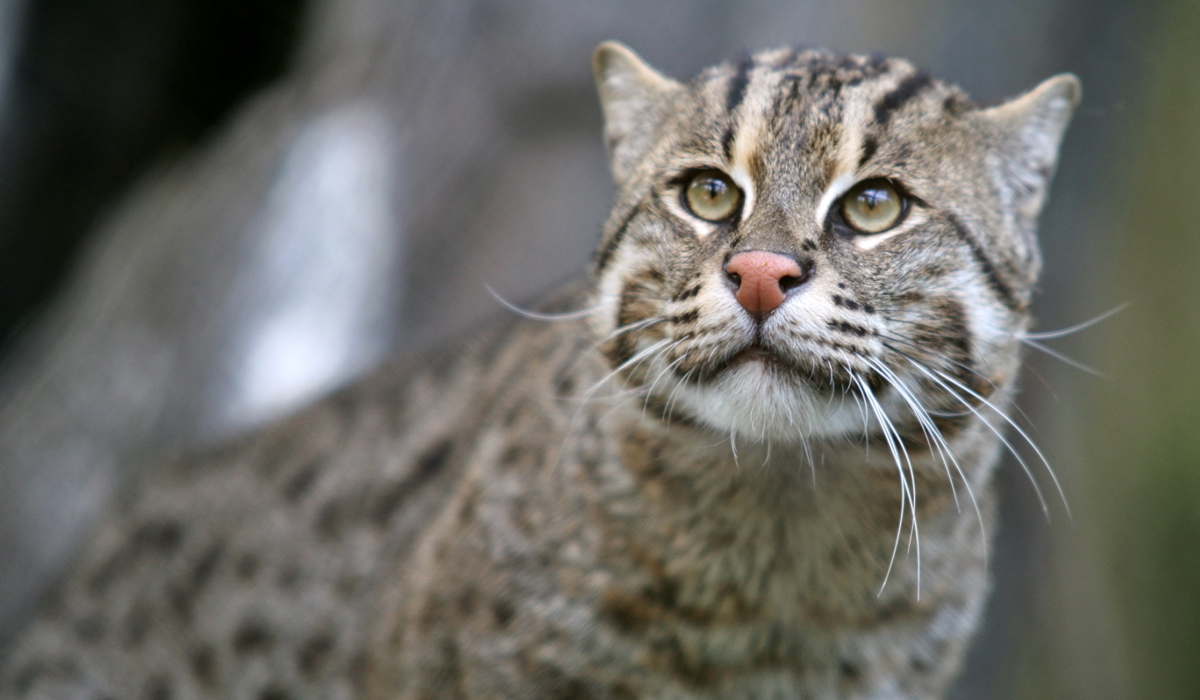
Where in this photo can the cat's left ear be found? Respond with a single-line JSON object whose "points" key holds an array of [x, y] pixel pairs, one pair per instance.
{"points": [[1030, 129], [630, 90]]}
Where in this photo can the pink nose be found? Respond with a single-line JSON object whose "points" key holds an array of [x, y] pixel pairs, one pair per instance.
{"points": [[763, 280]]}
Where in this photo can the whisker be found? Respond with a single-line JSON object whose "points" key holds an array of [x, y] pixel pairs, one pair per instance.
{"points": [[648, 322], [944, 450], [941, 356], [669, 407], [637, 358], [906, 493], [1012, 449], [933, 436], [640, 356], [539, 316], [650, 390], [637, 325], [1051, 335], [966, 368], [914, 533], [812, 466], [1060, 356], [1028, 440]]}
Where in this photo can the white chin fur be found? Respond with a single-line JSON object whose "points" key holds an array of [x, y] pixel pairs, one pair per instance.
{"points": [[757, 405]]}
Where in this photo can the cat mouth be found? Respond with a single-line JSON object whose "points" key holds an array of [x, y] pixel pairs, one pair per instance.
{"points": [[755, 352], [777, 364], [821, 373]]}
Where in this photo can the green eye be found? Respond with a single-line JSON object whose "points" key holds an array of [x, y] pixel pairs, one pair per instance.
{"points": [[873, 206], [712, 196]]}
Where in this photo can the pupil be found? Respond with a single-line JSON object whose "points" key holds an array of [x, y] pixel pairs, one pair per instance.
{"points": [[714, 188], [873, 198]]}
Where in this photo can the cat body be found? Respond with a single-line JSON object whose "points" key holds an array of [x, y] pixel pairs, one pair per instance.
{"points": [[751, 457]]}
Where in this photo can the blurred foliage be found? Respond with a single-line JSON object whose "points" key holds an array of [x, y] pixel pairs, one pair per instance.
{"points": [[1143, 461]]}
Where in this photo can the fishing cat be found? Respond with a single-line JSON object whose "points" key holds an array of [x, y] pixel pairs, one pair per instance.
{"points": [[750, 457]]}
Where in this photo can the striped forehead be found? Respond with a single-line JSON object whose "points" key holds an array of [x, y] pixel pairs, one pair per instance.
{"points": [[814, 105]]}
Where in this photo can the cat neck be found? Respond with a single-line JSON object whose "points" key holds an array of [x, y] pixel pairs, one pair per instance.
{"points": [[747, 531]]}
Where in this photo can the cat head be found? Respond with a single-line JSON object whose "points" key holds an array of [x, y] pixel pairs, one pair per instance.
{"points": [[801, 237]]}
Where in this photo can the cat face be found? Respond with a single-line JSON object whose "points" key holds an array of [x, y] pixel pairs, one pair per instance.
{"points": [[803, 241]]}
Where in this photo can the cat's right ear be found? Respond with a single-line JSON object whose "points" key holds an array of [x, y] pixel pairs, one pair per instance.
{"points": [[629, 90], [1028, 132]]}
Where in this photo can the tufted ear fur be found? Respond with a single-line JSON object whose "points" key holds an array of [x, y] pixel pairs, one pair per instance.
{"points": [[629, 90], [1029, 130]]}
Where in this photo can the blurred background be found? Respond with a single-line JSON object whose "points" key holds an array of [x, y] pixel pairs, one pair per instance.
{"points": [[214, 210]]}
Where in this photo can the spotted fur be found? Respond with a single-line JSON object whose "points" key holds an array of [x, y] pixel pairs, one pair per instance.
{"points": [[665, 499]]}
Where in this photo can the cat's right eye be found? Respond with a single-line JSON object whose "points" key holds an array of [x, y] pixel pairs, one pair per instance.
{"points": [[873, 206], [712, 196]]}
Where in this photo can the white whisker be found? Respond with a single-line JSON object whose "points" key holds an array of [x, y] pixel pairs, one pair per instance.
{"points": [[671, 396], [1060, 356], [934, 438], [650, 390], [808, 455], [538, 316], [1051, 335], [942, 379], [637, 358], [907, 494]]}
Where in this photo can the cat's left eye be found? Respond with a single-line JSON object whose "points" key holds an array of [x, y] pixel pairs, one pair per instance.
{"points": [[712, 196], [873, 206]]}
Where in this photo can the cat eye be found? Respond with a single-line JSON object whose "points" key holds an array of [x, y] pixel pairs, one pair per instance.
{"points": [[712, 196], [873, 206]]}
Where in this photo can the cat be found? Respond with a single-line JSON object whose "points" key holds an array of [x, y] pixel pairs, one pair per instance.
{"points": [[750, 457]]}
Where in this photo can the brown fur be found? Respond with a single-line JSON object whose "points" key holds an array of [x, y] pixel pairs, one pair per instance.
{"points": [[568, 510]]}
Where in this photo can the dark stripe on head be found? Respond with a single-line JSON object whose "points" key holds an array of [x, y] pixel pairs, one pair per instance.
{"points": [[604, 255], [870, 145], [738, 83], [908, 88], [727, 143], [985, 263], [733, 98], [790, 99]]}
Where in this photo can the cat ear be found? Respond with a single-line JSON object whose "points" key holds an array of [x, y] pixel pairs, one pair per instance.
{"points": [[1031, 128], [629, 89]]}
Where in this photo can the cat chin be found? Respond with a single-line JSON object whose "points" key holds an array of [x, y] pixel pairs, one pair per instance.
{"points": [[759, 405]]}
